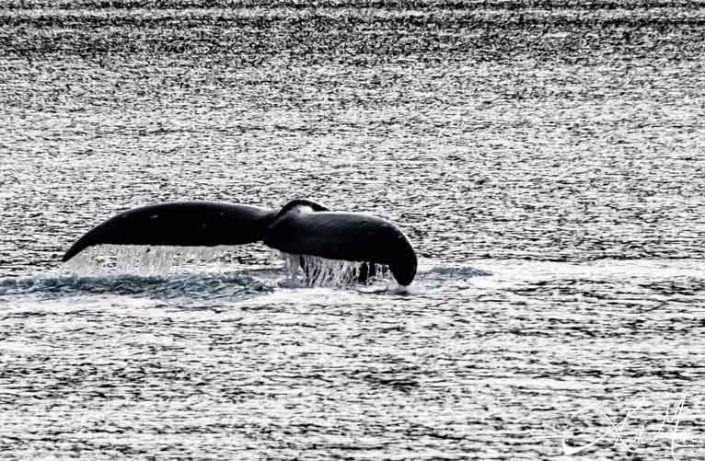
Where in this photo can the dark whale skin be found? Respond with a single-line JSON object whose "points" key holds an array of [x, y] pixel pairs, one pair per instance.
{"points": [[179, 224]]}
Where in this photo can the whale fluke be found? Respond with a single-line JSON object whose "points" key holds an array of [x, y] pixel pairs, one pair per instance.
{"points": [[301, 227], [346, 236], [179, 224]]}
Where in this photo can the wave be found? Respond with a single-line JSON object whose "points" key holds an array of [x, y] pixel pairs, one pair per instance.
{"points": [[454, 272], [235, 286]]}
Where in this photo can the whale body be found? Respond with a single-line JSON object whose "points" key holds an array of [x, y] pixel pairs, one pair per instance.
{"points": [[301, 227]]}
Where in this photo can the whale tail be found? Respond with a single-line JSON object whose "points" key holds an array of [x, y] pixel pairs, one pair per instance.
{"points": [[300, 227]]}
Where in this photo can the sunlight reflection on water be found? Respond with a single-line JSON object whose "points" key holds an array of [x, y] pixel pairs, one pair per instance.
{"points": [[544, 162]]}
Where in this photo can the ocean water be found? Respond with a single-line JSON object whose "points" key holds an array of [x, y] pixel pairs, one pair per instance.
{"points": [[545, 158]]}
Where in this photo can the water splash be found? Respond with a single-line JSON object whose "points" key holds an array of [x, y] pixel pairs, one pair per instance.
{"points": [[145, 260], [314, 271], [130, 260]]}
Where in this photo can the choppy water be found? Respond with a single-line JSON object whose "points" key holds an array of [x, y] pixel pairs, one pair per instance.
{"points": [[545, 158]]}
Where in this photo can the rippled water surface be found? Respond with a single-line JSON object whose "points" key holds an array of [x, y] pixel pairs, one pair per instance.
{"points": [[545, 158]]}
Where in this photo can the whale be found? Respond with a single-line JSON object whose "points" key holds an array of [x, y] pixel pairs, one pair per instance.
{"points": [[300, 227]]}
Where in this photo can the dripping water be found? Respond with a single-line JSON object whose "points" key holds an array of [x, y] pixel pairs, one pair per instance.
{"points": [[302, 270], [146, 260], [315, 271]]}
